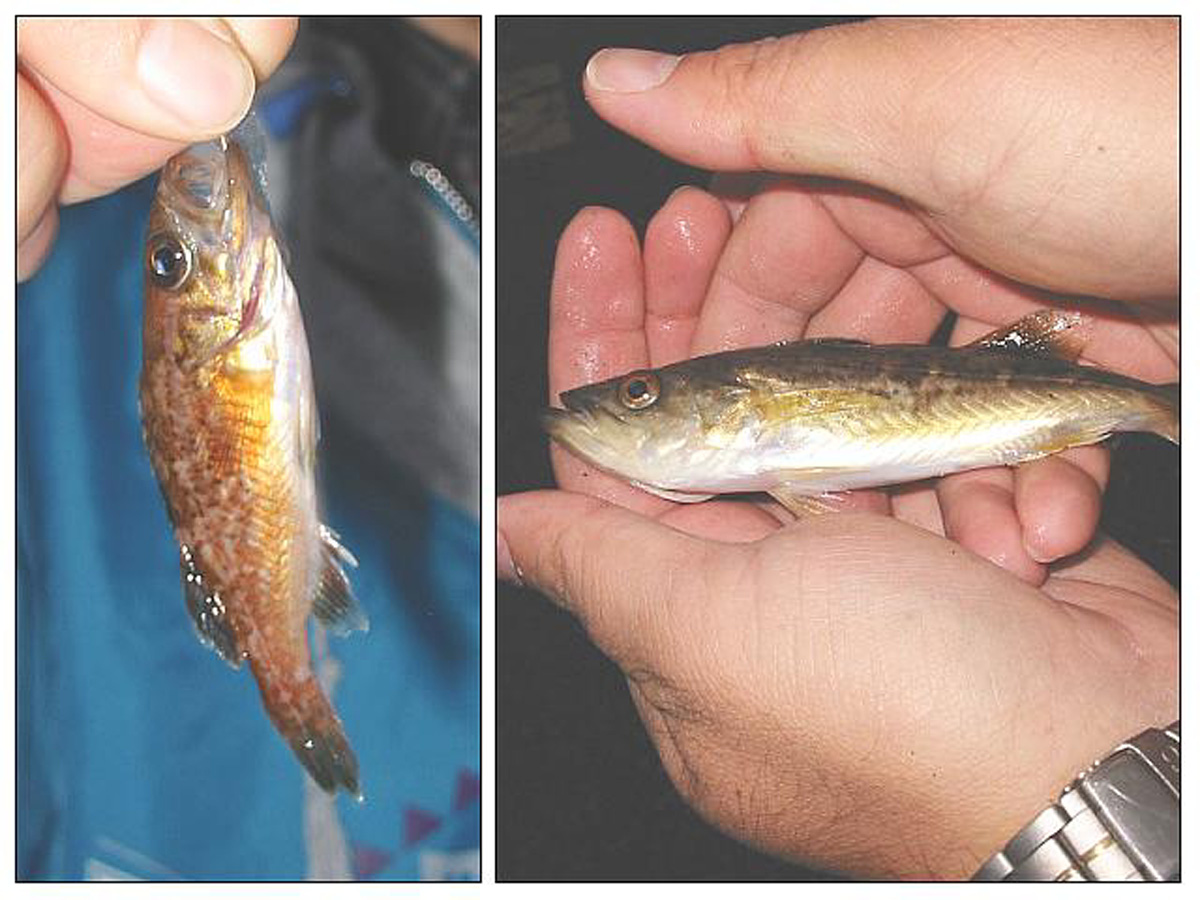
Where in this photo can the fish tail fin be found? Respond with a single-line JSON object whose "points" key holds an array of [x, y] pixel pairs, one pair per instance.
{"points": [[1166, 422], [321, 745], [308, 722]]}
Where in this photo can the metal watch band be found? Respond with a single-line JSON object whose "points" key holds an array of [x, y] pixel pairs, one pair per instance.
{"points": [[1118, 821]]}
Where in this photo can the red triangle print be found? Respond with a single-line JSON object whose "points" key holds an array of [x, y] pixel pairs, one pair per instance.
{"points": [[467, 790], [418, 823], [369, 860]]}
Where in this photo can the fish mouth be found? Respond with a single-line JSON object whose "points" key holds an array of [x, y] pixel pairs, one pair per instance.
{"points": [[557, 422], [214, 185], [590, 432]]}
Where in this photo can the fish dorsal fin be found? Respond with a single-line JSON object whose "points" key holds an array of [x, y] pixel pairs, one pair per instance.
{"points": [[334, 604], [838, 342], [676, 496], [1049, 331], [207, 610]]}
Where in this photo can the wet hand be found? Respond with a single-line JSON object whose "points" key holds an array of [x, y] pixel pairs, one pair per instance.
{"points": [[830, 690], [803, 259], [103, 102]]}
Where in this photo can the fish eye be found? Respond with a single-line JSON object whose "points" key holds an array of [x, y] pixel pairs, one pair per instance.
{"points": [[639, 390], [169, 262]]}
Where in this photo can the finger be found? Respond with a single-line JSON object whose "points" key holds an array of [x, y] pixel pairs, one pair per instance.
{"points": [[41, 158], [882, 224], [784, 260], [881, 304], [104, 156], [108, 79], [597, 330], [265, 40], [978, 513], [597, 314], [32, 251], [683, 243], [743, 108], [884, 101], [1111, 579], [736, 189], [621, 574], [180, 79], [1058, 505]]}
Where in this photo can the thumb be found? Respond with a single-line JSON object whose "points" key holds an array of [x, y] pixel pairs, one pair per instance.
{"points": [[1004, 131], [179, 79], [822, 102], [625, 577]]}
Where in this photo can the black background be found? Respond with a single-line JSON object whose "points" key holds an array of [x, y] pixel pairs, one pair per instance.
{"points": [[580, 791]]}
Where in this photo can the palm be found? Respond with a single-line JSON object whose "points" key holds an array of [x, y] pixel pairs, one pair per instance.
{"points": [[804, 259]]}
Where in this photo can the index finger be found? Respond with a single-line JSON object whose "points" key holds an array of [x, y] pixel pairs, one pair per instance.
{"points": [[597, 331]]}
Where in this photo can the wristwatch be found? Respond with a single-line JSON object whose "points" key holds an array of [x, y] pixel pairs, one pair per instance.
{"points": [[1118, 821]]}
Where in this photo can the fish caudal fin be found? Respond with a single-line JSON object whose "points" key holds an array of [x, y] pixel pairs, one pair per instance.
{"points": [[319, 742], [322, 747], [307, 721], [1167, 423]]}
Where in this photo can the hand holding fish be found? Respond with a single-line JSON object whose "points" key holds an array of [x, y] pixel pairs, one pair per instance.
{"points": [[831, 689], [102, 102]]}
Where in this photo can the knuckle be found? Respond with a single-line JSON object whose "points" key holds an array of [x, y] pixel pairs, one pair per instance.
{"points": [[748, 80]]}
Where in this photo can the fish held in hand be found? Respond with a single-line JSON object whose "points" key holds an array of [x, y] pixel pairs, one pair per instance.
{"points": [[807, 419], [230, 422]]}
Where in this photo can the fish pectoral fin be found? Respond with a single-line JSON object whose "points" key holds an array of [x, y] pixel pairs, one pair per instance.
{"points": [[207, 611], [334, 603], [1048, 331], [676, 496], [801, 504]]}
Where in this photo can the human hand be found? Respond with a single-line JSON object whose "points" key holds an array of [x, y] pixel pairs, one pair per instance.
{"points": [[102, 102], [1044, 149], [818, 259], [999, 142], [849, 690]]}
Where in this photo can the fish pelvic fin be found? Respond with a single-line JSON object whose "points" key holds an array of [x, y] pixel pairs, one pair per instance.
{"points": [[1054, 332], [802, 505], [334, 603], [675, 496], [207, 610]]}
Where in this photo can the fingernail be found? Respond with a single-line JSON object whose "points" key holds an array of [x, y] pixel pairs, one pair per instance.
{"points": [[194, 75], [1036, 541], [630, 71], [679, 190], [506, 569]]}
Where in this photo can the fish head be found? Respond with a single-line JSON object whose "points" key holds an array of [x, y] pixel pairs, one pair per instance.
{"points": [[213, 266], [655, 427]]}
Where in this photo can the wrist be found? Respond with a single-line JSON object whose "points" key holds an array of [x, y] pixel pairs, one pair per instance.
{"points": [[1117, 821]]}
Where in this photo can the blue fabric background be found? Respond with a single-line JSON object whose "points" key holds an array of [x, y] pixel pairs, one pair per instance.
{"points": [[139, 751]]}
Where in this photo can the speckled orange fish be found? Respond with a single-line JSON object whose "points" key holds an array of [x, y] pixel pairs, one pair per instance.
{"points": [[230, 422]]}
